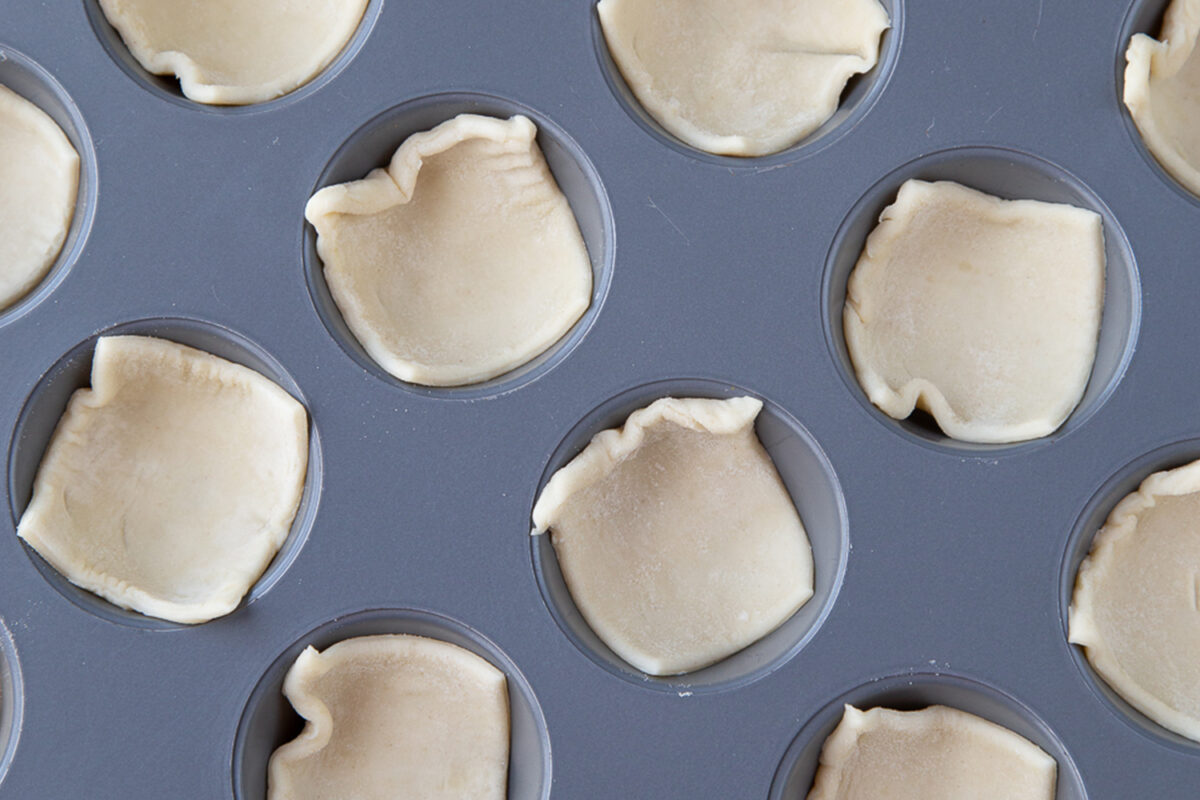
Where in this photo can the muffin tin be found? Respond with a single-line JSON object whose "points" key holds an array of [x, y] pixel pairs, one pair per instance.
{"points": [[943, 571]]}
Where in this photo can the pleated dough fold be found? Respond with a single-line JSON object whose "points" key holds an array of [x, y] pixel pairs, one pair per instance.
{"points": [[459, 262]]}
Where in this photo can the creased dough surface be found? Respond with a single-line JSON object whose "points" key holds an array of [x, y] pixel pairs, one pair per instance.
{"points": [[741, 78], [983, 312], [171, 483], [394, 716], [937, 753], [39, 179], [676, 537], [1136, 607], [235, 52], [1162, 92], [459, 262]]}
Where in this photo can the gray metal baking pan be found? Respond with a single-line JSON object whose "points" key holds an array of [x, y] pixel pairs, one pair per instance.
{"points": [[943, 570]]}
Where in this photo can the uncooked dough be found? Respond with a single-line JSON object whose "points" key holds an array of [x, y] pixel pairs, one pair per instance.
{"points": [[937, 753], [461, 260], [1136, 608], [741, 78], [234, 52], [171, 483], [1162, 92], [39, 178], [394, 716], [676, 537], [983, 312]]}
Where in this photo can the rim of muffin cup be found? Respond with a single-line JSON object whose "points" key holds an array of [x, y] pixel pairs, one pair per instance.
{"points": [[30, 80], [910, 691], [167, 87], [268, 719], [372, 145], [47, 401], [1088, 522], [1010, 174], [1143, 16], [814, 488], [12, 700], [861, 94]]}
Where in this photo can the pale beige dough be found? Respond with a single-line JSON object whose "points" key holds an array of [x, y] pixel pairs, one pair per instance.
{"points": [[234, 52], [1162, 92], [937, 753], [171, 483], [1136, 607], [459, 262], [39, 179], [741, 78], [983, 312], [394, 716], [676, 537]]}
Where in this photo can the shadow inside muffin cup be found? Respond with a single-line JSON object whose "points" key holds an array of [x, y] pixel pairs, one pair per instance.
{"points": [[912, 692], [1088, 523], [48, 401], [859, 96], [24, 76], [1144, 16], [12, 700], [1011, 175], [167, 87], [269, 720], [814, 489], [374, 144]]}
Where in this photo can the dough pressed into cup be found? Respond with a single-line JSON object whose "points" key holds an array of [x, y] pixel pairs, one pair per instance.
{"points": [[743, 78], [1136, 606], [171, 483], [235, 52], [460, 261], [677, 539], [937, 753], [39, 180], [1162, 92], [982, 311], [394, 716]]}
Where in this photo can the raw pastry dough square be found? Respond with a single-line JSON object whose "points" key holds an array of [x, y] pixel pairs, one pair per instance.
{"points": [[459, 262], [937, 753], [39, 179], [1136, 608], [394, 716], [171, 483], [1162, 92], [677, 539], [234, 52], [743, 78], [983, 312]]}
